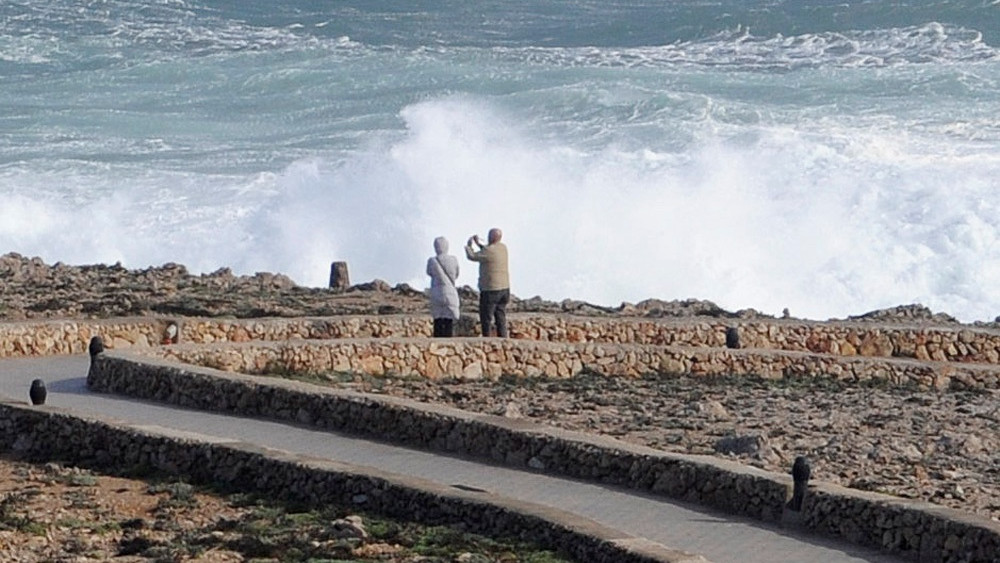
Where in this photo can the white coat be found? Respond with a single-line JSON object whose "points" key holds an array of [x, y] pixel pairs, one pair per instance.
{"points": [[443, 270]]}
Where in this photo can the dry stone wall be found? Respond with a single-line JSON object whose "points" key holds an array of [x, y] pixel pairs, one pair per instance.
{"points": [[924, 343], [845, 339], [41, 433], [921, 531], [961, 344], [21, 339], [729, 486], [475, 358], [915, 530], [552, 346]]}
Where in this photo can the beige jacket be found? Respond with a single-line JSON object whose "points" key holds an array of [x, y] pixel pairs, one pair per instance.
{"points": [[492, 260]]}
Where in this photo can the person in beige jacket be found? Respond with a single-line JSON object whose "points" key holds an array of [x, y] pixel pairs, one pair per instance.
{"points": [[494, 280]]}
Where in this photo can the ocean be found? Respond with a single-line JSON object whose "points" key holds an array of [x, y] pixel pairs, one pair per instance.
{"points": [[828, 157]]}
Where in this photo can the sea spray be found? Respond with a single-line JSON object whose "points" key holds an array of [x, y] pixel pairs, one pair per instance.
{"points": [[826, 158]]}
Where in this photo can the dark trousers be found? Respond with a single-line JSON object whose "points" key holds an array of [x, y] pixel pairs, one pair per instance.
{"points": [[493, 307], [444, 327]]}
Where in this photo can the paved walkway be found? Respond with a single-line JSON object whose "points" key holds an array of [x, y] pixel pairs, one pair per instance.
{"points": [[720, 538]]}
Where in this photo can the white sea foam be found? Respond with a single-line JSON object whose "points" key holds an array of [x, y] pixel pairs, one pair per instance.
{"points": [[740, 48], [826, 226]]}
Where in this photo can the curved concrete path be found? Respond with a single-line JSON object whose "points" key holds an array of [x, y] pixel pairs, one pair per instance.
{"points": [[720, 538]]}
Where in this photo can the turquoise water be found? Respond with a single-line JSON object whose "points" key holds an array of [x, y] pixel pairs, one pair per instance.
{"points": [[831, 159]]}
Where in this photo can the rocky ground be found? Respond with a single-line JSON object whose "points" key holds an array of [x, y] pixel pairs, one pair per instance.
{"points": [[941, 447], [55, 514], [32, 289], [937, 446]]}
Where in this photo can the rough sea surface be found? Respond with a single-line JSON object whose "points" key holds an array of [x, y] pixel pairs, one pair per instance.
{"points": [[831, 158]]}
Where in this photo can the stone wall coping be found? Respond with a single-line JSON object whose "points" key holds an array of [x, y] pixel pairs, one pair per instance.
{"points": [[621, 545]]}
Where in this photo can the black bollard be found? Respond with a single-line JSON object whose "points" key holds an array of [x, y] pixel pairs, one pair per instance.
{"points": [[37, 392], [96, 347], [800, 480], [732, 337]]}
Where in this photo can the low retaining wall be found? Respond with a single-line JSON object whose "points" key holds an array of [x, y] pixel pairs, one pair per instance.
{"points": [[475, 358], [563, 347], [47, 434], [728, 486], [838, 338], [920, 531], [961, 344], [917, 530], [52, 338]]}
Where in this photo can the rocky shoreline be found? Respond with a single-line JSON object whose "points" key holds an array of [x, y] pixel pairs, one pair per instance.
{"points": [[32, 289], [934, 446]]}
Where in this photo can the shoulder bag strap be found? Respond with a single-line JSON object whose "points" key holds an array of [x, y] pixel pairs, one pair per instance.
{"points": [[444, 271]]}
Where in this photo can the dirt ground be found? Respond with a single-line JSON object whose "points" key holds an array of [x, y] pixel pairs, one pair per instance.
{"points": [[52, 513]]}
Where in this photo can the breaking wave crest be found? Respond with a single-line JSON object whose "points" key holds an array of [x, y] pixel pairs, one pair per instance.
{"points": [[740, 49], [821, 225]]}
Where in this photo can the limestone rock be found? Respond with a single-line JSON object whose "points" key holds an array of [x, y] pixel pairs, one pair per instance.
{"points": [[749, 444], [512, 410], [714, 410], [350, 527]]}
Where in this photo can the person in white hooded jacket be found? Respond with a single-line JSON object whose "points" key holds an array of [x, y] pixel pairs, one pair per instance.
{"points": [[443, 270]]}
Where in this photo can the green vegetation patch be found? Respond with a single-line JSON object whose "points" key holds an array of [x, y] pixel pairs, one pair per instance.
{"points": [[293, 533], [267, 530], [12, 515]]}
